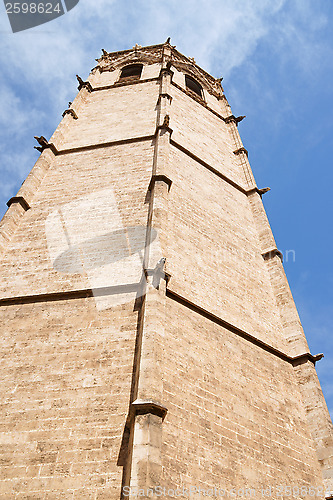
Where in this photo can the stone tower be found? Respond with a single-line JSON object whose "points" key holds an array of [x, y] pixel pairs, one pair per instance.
{"points": [[149, 337]]}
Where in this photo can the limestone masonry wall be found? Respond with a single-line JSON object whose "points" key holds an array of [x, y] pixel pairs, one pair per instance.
{"points": [[119, 368]]}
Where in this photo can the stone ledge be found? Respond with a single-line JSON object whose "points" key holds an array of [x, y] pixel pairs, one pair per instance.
{"points": [[206, 165], [144, 407], [102, 145], [294, 361], [124, 84], [45, 144], [164, 96], [70, 112], [69, 294], [303, 358], [240, 151], [234, 119], [20, 200], [159, 178], [257, 190], [269, 254]]}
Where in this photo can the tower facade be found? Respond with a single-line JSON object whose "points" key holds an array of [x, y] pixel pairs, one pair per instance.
{"points": [[150, 343]]}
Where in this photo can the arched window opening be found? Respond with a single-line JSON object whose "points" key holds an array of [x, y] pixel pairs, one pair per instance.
{"points": [[131, 72], [192, 85]]}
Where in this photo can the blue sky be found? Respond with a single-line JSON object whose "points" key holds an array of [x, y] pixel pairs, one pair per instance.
{"points": [[277, 62]]}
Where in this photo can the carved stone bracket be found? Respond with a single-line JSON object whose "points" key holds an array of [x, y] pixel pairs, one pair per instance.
{"points": [[272, 253], [234, 119], [44, 144], [241, 150], [160, 177], [303, 358], [263, 190], [83, 84], [167, 96], [70, 112], [144, 407], [20, 200], [259, 191]]}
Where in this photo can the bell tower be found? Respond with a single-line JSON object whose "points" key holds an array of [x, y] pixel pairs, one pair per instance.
{"points": [[150, 343]]}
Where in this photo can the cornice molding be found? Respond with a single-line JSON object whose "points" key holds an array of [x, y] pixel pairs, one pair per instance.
{"points": [[157, 54]]}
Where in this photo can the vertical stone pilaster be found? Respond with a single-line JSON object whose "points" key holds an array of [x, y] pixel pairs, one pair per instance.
{"points": [[147, 464], [148, 409], [147, 406], [225, 106], [242, 155]]}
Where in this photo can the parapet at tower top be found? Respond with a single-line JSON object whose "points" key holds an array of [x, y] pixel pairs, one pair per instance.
{"points": [[164, 54]]}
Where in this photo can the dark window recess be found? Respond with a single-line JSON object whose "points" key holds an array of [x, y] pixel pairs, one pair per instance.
{"points": [[131, 72], [192, 85]]}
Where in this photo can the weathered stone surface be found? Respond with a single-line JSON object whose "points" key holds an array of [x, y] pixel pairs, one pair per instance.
{"points": [[120, 367]]}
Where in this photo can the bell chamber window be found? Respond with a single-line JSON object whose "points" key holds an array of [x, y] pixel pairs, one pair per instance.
{"points": [[131, 72], [193, 85]]}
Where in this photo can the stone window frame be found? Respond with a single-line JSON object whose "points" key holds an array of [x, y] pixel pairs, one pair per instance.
{"points": [[194, 87], [136, 75]]}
